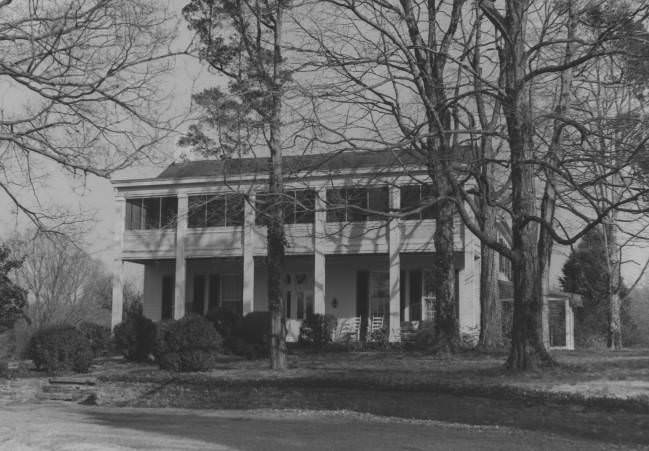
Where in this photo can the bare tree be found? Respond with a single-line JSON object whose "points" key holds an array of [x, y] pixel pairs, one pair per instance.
{"points": [[81, 90], [64, 284], [542, 46], [398, 71]]}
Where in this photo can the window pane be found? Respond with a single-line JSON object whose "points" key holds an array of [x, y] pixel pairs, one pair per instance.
{"points": [[410, 195], [214, 292], [234, 209], [151, 213], [335, 205], [199, 295], [133, 214], [356, 200], [169, 211], [215, 211], [304, 206], [378, 202], [196, 212], [167, 296], [262, 202], [288, 207], [428, 197]]}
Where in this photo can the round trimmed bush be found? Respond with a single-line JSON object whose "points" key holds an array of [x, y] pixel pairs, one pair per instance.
{"points": [[316, 330], [224, 321], [188, 344], [98, 335], [60, 348], [251, 336], [135, 337]]}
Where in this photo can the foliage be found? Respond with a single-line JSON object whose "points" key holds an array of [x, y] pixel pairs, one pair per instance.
{"points": [[13, 298], [224, 321], [316, 330], [135, 337], [251, 336], [586, 273], [188, 344], [425, 338], [60, 348], [98, 336], [380, 338]]}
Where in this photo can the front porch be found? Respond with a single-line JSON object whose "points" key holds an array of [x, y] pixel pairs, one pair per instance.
{"points": [[347, 287]]}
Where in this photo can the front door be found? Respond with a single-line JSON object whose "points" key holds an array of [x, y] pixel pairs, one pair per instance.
{"points": [[298, 294]]}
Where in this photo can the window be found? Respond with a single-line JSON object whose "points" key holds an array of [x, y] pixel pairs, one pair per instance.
{"points": [[216, 211], [199, 295], [167, 297], [356, 204], [214, 292], [415, 197], [151, 213], [298, 206], [232, 292]]}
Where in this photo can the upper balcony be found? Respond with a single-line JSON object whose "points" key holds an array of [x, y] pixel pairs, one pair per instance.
{"points": [[351, 222]]}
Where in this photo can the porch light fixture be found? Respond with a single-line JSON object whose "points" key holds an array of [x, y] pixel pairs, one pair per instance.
{"points": [[334, 303]]}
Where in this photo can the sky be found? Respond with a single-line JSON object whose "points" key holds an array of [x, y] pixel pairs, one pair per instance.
{"points": [[93, 196]]}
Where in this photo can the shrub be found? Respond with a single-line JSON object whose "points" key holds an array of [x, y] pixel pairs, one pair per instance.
{"points": [[425, 339], [98, 336], [135, 337], [251, 336], [60, 348], [224, 321], [380, 338], [188, 344], [316, 330]]}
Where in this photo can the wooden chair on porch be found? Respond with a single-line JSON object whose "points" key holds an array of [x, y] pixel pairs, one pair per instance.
{"points": [[374, 324], [351, 329]]}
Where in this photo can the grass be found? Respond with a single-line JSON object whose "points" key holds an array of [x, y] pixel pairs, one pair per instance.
{"points": [[468, 388]]}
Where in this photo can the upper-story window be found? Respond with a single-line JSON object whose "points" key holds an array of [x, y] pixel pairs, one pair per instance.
{"points": [[298, 206], [151, 213], [415, 197], [357, 204], [215, 210]]}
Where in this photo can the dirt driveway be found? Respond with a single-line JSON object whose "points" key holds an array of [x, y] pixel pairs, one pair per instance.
{"points": [[68, 427]]}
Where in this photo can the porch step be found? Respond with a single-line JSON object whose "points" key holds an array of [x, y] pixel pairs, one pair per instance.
{"points": [[69, 389], [73, 380]]}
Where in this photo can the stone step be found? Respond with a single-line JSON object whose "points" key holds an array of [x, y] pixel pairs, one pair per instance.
{"points": [[73, 380]]}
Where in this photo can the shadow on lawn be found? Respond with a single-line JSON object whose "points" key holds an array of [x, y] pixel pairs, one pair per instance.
{"points": [[576, 421]]}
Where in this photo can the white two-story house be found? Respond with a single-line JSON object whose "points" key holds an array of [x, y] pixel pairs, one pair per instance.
{"points": [[198, 230]]}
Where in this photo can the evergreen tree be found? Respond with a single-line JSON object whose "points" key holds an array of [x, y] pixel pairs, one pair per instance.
{"points": [[13, 298]]}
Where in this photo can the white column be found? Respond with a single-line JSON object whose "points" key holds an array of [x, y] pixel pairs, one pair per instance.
{"points": [[407, 288], [570, 338], [468, 302], [394, 245], [181, 269], [118, 264], [319, 258], [247, 247]]}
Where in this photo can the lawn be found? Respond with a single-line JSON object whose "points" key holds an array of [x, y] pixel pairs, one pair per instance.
{"points": [[596, 395]]}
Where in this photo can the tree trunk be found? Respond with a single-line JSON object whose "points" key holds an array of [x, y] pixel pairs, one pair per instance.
{"points": [[490, 312], [614, 338], [447, 336], [527, 348], [276, 241]]}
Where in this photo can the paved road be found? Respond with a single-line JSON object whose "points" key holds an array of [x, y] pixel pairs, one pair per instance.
{"points": [[72, 427]]}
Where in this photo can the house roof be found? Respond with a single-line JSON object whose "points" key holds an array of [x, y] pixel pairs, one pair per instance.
{"points": [[326, 162]]}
